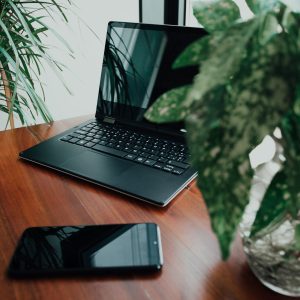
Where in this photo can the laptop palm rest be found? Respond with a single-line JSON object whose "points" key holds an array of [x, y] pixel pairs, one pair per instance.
{"points": [[96, 166], [126, 176]]}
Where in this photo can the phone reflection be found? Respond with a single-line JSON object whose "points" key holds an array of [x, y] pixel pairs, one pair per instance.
{"points": [[82, 247]]}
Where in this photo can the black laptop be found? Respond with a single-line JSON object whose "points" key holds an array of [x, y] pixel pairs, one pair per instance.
{"points": [[119, 149]]}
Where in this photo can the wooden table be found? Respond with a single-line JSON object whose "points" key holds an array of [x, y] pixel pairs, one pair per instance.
{"points": [[35, 196]]}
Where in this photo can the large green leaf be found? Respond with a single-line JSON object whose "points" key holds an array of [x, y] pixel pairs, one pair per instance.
{"points": [[297, 237], [262, 6], [198, 51], [296, 107], [168, 107], [273, 207], [291, 24], [224, 173], [216, 14], [246, 84], [225, 124], [268, 28], [226, 53]]}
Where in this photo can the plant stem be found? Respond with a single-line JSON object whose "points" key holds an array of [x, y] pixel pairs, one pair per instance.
{"points": [[8, 95]]}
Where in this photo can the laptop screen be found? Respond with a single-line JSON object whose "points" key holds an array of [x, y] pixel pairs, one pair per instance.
{"points": [[137, 69]]}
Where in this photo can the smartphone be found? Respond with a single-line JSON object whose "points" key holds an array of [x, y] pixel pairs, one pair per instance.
{"points": [[91, 249]]}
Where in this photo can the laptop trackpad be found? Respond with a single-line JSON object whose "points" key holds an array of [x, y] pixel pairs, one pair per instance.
{"points": [[97, 166]]}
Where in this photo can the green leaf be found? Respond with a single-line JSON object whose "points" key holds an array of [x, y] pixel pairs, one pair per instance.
{"points": [[195, 52], [168, 107], [296, 107], [20, 48], [24, 22], [268, 29], [290, 129], [227, 51], [29, 90], [297, 236], [273, 207], [291, 24], [216, 14], [224, 170], [262, 6], [228, 121]]}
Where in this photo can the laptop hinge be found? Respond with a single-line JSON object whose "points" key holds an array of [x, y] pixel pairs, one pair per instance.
{"points": [[109, 120]]}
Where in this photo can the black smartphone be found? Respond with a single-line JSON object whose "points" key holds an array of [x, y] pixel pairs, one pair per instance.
{"points": [[91, 249]]}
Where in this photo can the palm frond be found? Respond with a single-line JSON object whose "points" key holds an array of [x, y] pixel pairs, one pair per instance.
{"points": [[22, 54]]}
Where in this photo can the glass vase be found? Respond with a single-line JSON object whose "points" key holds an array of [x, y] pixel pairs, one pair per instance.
{"points": [[271, 255]]}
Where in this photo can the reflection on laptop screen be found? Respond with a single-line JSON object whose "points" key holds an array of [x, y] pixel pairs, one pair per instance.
{"points": [[137, 67]]}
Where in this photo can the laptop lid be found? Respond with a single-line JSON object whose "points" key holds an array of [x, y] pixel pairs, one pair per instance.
{"points": [[137, 69]]}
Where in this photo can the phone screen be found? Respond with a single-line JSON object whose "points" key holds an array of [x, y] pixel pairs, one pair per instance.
{"points": [[92, 248]]}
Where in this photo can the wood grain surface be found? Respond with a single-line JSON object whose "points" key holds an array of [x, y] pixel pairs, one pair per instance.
{"points": [[35, 196]]}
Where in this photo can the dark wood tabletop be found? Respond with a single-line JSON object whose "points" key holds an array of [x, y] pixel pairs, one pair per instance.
{"points": [[35, 196]]}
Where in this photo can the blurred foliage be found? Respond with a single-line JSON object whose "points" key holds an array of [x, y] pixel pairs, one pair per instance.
{"points": [[248, 86], [21, 55]]}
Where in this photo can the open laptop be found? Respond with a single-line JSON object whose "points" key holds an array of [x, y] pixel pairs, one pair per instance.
{"points": [[119, 149]]}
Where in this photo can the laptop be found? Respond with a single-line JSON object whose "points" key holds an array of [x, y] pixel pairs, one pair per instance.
{"points": [[119, 149]]}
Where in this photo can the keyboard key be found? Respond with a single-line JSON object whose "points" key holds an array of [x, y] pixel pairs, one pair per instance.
{"points": [[144, 154], [158, 165], [167, 169], [162, 159], [178, 164], [130, 156], [179, 159], [145, 149], [74, 140], [102, 143], [154, 157], [81, 142], [154, 152], [80, 132], [177, 171], [66, 138], [89, 145], [140, 159], [110, 144], [149, 162], [79, 136], [135, 151], [109, 150], [163, 154], [171, 157], [170, 167]]}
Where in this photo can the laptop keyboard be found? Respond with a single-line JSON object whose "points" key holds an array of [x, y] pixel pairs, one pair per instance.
{"points": [[120, 141]]}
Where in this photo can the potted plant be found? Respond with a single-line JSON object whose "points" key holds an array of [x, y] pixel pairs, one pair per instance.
{"points": [[21, 54], [247, 88]]}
